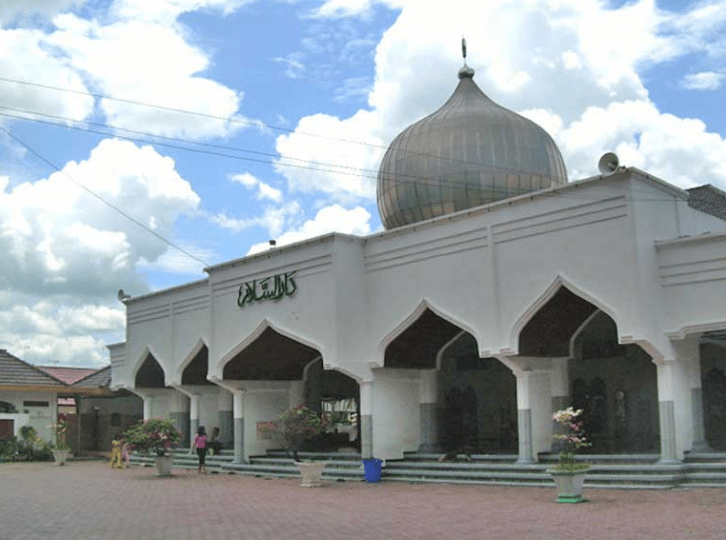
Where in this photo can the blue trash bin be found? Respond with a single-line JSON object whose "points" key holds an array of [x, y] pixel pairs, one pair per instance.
{"points": [[372, 469]]}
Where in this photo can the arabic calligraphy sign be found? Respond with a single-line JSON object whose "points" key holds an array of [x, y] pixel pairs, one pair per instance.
{"points": [[270, 288]]}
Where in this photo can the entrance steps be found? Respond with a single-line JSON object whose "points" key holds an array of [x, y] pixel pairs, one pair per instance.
{"points": [[183, 459], [341, 465], [640, 471]]}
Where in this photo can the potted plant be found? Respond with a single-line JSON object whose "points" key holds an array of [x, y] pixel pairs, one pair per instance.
{"points": [[569, 475], [155, 436], [60, 447], [295, 427]]}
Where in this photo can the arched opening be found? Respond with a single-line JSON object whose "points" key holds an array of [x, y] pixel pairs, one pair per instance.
{"points": [[475, 409], [196, 371], [713, 370], [337, 395], [419, 344], [272, 357], [479, 397], [615, 385], [150, 374]]}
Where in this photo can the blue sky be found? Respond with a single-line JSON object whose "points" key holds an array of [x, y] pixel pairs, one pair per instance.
{"points": [[218, 125]]}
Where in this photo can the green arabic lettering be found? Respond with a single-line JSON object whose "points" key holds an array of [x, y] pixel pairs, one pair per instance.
{"points": [[250, 293]]}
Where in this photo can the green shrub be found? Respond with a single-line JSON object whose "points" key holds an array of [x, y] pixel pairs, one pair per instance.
{"points": [[8, 449]]}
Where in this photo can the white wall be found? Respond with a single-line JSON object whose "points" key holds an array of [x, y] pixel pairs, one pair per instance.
{"points": [[396, 412], [263, 403], [38, 417], [19, 420]]}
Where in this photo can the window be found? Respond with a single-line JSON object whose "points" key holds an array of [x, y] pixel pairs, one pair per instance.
{"points": [[115, 419], [36, 404]]}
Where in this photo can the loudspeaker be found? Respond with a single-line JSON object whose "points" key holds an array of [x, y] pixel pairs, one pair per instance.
{"points": [[608, 163]]}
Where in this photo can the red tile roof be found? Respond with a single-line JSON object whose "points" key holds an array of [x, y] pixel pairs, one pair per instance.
{"points": [[68, 375]]}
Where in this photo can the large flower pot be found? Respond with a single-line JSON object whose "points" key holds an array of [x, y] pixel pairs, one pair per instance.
{"points": [[163, 465], [61, 456], [569, 485], [311, 472]]}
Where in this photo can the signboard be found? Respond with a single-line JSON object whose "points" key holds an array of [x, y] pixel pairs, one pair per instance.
{"points": [[270, 288]]}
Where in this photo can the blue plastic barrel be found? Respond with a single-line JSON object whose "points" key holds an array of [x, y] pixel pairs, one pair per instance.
{"points": [[372, 469]]}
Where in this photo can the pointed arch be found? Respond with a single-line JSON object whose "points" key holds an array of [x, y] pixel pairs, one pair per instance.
{"points": [[265, 325], [177, 377], [560, 282], [148, 351], [417, 312]]}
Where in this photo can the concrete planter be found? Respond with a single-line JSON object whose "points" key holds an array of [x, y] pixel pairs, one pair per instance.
{"points": [[61, 456], [311, 472], [569, 485], [163, 465]]}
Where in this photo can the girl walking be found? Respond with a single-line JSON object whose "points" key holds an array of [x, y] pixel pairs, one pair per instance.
{"points": [[200, 443]]}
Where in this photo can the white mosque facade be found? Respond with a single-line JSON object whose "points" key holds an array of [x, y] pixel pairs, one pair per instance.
{"points": [[499, 293]]}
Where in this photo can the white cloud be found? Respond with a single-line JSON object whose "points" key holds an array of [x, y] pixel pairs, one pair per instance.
{"points": [[273, 219], [264, 191], [294, 68], [58, 237], [679, 150], [10, 9], [23, 58], [341, 162], [70, 334], [246, 179], [333, 218], [154, 71], [556, 61], [704, 80], [174, 261]]}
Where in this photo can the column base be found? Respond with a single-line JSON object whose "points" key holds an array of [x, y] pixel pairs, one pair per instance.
{"points": [[701, 447]]}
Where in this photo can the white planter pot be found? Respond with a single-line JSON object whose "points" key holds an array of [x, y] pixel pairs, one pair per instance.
{"points": [[163, 465], [311, 472], [61, 456], [569, 485]]}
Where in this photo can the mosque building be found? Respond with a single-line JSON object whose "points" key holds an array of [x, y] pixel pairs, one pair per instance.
{"points": [[498, 293]]}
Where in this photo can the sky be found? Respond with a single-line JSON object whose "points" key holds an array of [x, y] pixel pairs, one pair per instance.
{"points": [[144, 140]]}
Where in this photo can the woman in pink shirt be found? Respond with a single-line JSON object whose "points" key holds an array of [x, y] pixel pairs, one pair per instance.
{"points": [[200, 443]]}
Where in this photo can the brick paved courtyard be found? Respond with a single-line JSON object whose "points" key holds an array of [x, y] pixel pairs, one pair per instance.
{"points": [[88, 500]]}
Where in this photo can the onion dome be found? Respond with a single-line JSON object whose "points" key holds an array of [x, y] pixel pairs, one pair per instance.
{"points": [[468, 153]]}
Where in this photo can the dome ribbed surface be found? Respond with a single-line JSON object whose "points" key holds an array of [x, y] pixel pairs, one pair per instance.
{"points": [[468, 153]]}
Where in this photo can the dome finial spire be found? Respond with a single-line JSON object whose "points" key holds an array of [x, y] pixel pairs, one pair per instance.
{"points": [[466, 71]]}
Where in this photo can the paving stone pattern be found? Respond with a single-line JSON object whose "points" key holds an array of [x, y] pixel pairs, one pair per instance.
{"points": [[90, 501]]}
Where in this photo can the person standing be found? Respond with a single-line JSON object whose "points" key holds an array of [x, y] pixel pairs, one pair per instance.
{"points": [[200, 443], [116, 452]]}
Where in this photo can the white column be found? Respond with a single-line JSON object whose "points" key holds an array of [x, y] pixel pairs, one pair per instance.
{"points": [[238, 414], [428, 407], [690, 352], [193, 415], [366, 419], [226, 417], [524, 417], [560, 384], [148, 406]]}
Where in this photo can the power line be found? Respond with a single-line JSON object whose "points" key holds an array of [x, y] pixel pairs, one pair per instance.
{"points": [[104, 201], [253, 123], [345, 170]]}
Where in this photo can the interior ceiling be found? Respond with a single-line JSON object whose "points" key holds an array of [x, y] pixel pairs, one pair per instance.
{"points": [[548, 333], [271, 356], [417, 346]]}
